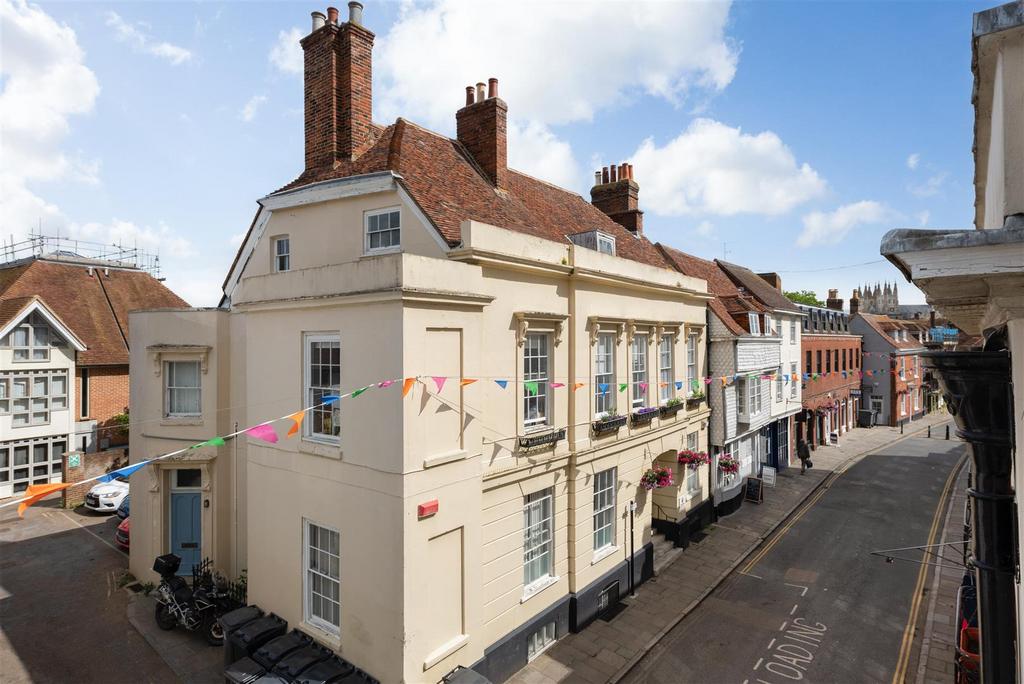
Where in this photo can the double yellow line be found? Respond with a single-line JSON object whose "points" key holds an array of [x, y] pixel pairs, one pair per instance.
{"points": [[789, 523], [908, 632]]}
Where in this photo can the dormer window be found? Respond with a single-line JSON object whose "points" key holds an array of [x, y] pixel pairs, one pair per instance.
{"points": [[606, 244], [282, 254], [755, 324], [768, 325], [32, 340], [596, 240], [383, 230]]}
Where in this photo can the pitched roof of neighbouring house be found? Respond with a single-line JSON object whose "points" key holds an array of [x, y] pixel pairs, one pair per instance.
{"points": [[756, 286], [449, 187], [94, 307], [727, 296], [883, 324]]}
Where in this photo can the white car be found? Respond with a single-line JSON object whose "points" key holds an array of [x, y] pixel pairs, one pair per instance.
{"points": [[105, 497]]}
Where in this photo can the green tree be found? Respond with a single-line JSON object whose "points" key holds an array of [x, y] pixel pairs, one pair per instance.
{"points": [[804, 297]]}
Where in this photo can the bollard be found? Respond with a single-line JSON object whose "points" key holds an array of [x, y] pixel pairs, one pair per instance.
{"points": [[901, 428], [929, 432], [947, 432]]}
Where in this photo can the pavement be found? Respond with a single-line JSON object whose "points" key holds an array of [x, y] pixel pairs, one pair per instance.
{"points": [[192, 659], [62, 612], [609, 651]]}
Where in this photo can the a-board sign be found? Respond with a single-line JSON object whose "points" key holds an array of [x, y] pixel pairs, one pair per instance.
{"points": [[768, 475], [755, 489]]}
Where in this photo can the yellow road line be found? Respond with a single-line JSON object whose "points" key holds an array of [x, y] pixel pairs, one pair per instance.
{"points": [[908, 632]]}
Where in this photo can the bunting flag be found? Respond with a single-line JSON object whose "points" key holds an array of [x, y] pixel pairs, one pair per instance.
{"points": [[643, 387], [121, 472], [385, 383], [439, 380], [662, 384], [603, 386], [36, 492], [724, 382], [679, 384], [359, 391], [466, 381], [623, 386], [329, 399], [531, 387], [707, 381], [265, 432], [577, 386], [297, 422], [556, 385], [407, 385], [215, 442], [501, 383]]}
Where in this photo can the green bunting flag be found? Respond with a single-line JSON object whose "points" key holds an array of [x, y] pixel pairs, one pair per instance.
{"points": [[622, 386], [531, 387], [215, 442], [357, 392]]}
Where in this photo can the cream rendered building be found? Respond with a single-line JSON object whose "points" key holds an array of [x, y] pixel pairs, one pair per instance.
{"points": [[465, 524]]}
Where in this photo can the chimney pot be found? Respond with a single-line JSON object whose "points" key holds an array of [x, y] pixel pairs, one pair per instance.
{"points": [[622, 172], [492, 88], [597, 178], [318, 20], [605, 178], [469, 95], [613, 173], [629, 171], [355, 13], [480, 92], [332, 15]]}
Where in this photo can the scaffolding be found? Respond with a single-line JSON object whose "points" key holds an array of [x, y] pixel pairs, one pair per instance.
{"points": [[71, 250]]}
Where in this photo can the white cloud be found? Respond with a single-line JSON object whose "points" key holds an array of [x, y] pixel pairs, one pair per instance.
{"points": [[248, 112], [913, 160], [712, 168], [142, 42], [557, 62], [45, 82], [705, 229], [127, 234], [825, 228], [535, 150], [930, 187], [286, 53], [923, 218], [236, 239]]}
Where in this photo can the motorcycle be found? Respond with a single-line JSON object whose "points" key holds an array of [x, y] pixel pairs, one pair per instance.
{"points": [[197, 607]]}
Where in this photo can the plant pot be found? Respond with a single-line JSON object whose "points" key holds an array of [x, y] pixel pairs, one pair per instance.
{"points": [[694, 402], [642, 417], [607, 425], [668, 411]]}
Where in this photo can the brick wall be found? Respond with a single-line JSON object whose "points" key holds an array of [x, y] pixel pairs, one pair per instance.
{"points": [[108, 396], [831, 381], [89, 465]]}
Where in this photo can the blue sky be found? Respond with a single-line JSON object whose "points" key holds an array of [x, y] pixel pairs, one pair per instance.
{"points": [[792, 135]]}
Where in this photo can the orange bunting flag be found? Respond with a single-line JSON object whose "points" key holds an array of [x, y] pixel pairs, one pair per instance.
{"points": [[38, 492], [662, 384], [297, 417], [576, 386], [466, 381], [409, 382]]}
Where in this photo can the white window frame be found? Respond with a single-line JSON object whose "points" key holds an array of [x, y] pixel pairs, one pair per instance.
{"points": [[782, 446], [638, 354], [309, 573], [393, 247], [5, 396], [277, 255], [666, 356], [29, 327], [691, 362], [604, 360], [312, 393], [778, 385], [769, 325], [84, 394], [18, 477], [792, 381], [537, 368], [538, 539], [605, 484], [541, 640], [168, 388], [755, 323], [608, 241], [693, 484], [792, 331], [741, 396]]}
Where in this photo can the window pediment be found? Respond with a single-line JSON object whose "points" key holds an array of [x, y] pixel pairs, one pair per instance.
{"points": [[537, 321], [158, 353]]}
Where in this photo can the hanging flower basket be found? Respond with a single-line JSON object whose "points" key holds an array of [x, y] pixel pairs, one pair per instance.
{"points": [[656, 478], [693, 459], [728, 465]]}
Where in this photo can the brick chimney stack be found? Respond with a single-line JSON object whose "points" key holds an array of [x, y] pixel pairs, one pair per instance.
{"points": [[772, 279], [833, 301], [338, 88], [482, 127], [855, 302], [618, 195]]}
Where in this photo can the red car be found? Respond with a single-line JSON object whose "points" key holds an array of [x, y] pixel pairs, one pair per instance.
{"points": [[121, 537]]}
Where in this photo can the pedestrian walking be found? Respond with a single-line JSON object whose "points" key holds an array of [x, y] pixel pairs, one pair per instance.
{"points": [[803, 452]]}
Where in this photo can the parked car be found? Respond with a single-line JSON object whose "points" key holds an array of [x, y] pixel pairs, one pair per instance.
{"points": [[107, 496], [123, 534], [123, 510]]}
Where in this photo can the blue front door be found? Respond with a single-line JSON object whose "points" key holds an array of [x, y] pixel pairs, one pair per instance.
{"points": [[186, 529]]}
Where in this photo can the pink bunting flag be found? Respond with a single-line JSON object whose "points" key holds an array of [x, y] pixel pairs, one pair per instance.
{"points": [[265, 432], [439, 380], [643, 386], [556, 385], [385, 383]]}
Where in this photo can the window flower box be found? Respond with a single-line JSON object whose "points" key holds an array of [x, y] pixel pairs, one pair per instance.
{"points": [[728, 465], [608, 424], [542, 439], [643, 416], [671, 408], [695, 399], [657, 478], [693, 459]]}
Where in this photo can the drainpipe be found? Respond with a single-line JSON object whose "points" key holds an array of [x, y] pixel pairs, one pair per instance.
{"points": [[977, 390]]}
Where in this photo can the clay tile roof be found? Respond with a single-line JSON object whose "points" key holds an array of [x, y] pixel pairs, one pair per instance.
{"points": [[727, 301], [882, 325], [756, 285], [442, 178], [95, 308]]}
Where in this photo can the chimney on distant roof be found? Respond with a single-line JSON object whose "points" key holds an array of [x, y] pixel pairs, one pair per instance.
{"points": [[338, 88], [855, 302], [482, 127], [833, 301], [618, 195], [772, 279]]}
